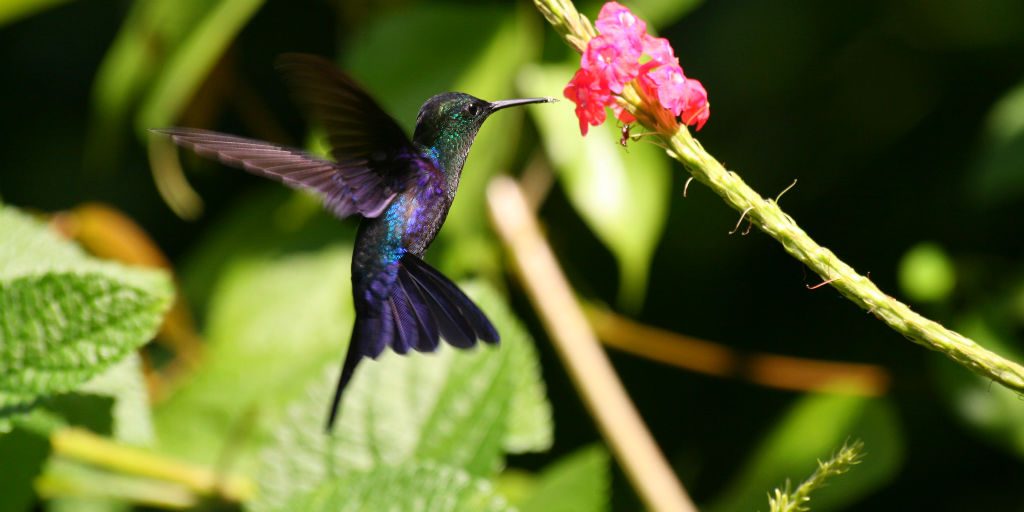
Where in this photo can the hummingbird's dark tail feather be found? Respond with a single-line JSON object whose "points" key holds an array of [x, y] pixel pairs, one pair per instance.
{"points": [[460, 320], [422, 307], [352, 359]]}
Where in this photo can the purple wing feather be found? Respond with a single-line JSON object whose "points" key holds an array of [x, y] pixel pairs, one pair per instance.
{"points": [[347, 188], [374, 158], [357, 127]]}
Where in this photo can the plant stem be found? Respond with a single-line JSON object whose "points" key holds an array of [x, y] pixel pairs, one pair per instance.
{"points": [[769, 218], [766, 215], [84, 446], [796, 501], [710, 358], [580, 352]]}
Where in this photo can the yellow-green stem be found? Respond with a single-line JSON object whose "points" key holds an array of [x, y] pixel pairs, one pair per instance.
{"points": [[84, 446], [766, 215]]}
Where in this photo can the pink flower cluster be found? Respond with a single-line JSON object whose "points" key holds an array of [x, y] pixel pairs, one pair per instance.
{"points": [[624, 52]]}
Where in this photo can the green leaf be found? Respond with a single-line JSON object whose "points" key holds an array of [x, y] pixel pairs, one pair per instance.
{"points": [[530, 427], [66, 317], [273, 323], [411, 487], [577, 482], [813, 428], [451, 407], [477, 49], [623, 196]]}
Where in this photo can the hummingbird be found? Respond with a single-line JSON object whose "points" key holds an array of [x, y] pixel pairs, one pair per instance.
{"points": [[401, 188]]}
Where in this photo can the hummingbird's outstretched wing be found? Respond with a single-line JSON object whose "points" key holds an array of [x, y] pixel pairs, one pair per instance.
{"points": [[357, 127], [346, 187], [374, 158]]}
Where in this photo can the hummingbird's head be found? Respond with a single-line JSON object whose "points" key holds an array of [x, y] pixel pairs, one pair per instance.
{"points": [[449, 122]]}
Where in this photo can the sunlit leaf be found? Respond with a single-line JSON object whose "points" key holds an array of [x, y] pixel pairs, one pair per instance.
{"points": [[415, 487], [815, 427], [529, 427], [580, 481], [66, 317], [623, 195], [451, 407], [272, 325]]}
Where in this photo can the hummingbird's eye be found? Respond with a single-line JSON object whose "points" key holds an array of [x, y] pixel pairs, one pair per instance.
{"points": [[472, 109]]}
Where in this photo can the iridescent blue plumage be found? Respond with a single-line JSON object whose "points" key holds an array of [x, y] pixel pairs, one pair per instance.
{"points": [[403, 189]]}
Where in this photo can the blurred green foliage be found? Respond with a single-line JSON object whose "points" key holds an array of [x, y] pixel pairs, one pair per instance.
{"points": [[626, 209], [903, 121], [577, 482], [926, 274]]}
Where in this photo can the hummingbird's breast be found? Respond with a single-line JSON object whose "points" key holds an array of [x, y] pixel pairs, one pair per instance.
{"points": [[415, 217], [408, 225]]}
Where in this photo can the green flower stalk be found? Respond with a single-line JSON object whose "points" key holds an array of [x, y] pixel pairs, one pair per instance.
{"points": [[785, 500], [638, 100]]}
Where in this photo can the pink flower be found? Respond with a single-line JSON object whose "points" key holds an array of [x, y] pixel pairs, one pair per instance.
{"points": [[660, 51], [615, 19], [670, 85], [613, 59], [696, 108], [617, 61], [590, 94]]}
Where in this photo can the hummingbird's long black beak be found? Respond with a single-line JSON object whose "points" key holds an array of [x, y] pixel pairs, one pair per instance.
{"points": [[498, 105]]}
